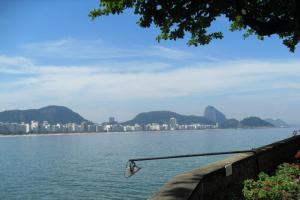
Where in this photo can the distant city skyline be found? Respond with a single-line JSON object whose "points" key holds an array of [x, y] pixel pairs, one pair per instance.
{"points": [[111, 67]]}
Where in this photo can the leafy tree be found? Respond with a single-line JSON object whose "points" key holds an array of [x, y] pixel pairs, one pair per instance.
{"points": [[177, 18]]}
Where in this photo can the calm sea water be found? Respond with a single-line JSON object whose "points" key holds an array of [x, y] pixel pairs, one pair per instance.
{"points": [[91, 166]]}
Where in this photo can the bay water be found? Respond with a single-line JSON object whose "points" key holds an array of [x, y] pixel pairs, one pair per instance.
{"points": [[92, 165]]}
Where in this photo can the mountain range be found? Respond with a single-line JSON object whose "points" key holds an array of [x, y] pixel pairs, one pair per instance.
{"points": [[60, 114], [211, 116], [277, 122], [163, 117], [52, 114], [217, 116]]}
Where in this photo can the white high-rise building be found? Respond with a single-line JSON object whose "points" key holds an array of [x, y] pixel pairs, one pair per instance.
{"points": [[34, 126], [173, 123], [27, 128]]}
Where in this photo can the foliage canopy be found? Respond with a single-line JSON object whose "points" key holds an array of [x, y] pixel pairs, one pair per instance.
{"points": [[177, 18]]}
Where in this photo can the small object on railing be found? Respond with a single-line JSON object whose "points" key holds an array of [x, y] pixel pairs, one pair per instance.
{"points": [[228, 170], [131, 169]]}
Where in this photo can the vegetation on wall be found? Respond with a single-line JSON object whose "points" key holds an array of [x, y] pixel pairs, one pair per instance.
{"points": [[284, 185]]}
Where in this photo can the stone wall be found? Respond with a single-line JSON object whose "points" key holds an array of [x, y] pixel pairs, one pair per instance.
{"points": [[224, 179]]}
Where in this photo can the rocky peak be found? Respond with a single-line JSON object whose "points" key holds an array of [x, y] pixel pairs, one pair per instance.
{"points": [[214, 115]]}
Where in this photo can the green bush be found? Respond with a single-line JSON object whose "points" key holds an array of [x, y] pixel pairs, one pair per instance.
{"points": [[285, 185]]}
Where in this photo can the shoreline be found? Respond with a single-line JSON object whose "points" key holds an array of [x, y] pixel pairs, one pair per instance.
{"points": [[130, 132], [45, 134]]}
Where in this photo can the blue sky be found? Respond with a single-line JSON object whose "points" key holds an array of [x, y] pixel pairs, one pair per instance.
{"points": [[52, 53]]}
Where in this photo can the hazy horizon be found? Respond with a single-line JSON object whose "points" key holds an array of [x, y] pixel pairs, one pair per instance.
{"points": [[112, 67]]}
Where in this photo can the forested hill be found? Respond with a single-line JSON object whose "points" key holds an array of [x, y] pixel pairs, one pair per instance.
{"points": [[163, 117], [52, 114], [250, 122]]}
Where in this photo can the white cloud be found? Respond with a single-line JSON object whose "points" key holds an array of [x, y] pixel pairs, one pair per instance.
{"points": [[113, 84], [286, 84], [97, 49], [15, 61], [14, 65], [91, 85], [161, 51]]}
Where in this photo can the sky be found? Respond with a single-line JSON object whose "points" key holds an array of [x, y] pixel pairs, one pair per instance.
{"points": [[52, 53]]}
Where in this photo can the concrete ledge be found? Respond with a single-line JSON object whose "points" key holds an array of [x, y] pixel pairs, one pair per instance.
{"points": [[211, 182]]}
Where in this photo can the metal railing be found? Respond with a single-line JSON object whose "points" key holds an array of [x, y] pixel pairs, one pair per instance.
{"points": [[132, 168]]}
